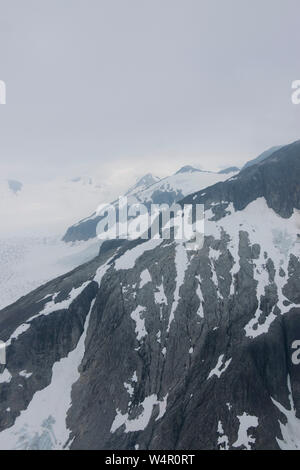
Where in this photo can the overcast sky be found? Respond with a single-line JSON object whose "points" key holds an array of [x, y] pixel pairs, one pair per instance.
{"points": [[145, 85]]}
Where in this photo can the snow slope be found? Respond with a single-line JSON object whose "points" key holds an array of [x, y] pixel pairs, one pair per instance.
{"points": [[183, 183], [28, 262], [48, 207]]}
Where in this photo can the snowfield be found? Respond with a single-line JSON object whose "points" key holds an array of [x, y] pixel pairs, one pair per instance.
{"points": [[27, 263]]}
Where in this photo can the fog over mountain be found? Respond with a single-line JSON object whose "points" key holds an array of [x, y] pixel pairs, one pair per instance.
{"points": [[150, 227], [120, 84]]}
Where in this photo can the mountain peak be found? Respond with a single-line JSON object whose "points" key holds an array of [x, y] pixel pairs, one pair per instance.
{"points": [[147, 180], [15, 186], [231, 169], [187, 169], [142, 183]]}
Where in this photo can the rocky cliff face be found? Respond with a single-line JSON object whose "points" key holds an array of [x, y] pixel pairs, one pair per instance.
{"points": [[151, 346], [276, 179], [267, 153]]}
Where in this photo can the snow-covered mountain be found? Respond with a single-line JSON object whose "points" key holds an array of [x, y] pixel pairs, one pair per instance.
{"points": [[151, 346], [143, 183], [230, 169], [15, 186], [9, 188], [167, 190], [30, 259]]}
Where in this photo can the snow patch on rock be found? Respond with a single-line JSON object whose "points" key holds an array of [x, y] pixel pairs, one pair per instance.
{"points": [[244, 438], [291, 430], [142, 420], [220, 367]]}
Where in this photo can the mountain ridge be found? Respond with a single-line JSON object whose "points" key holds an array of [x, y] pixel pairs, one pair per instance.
{"points": [[260, 180], [168, 190], [161, 348]]}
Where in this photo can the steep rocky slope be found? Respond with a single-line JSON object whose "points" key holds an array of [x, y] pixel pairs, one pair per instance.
{"points": [[151, 346], [267, 153], [276, 179]]}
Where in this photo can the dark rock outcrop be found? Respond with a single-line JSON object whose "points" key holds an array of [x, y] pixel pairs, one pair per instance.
{"points": [[271, 179]]}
